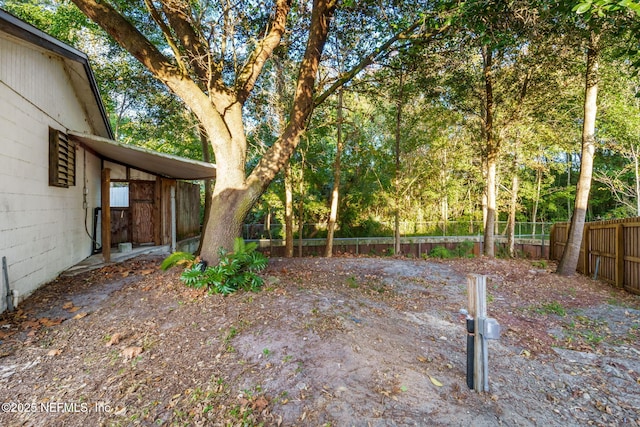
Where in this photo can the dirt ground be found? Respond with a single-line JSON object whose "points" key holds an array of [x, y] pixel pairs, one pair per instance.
{"points": [[349, 341]]}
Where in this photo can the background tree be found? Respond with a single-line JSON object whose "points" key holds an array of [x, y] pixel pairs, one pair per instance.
{"points": [[601, 17]]}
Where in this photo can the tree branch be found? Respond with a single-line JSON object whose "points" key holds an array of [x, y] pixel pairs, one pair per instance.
{"points": [[279, 153], [249, 74], [195, 46], [159, 65], [368, 60], [166, 31], [128, 37]]}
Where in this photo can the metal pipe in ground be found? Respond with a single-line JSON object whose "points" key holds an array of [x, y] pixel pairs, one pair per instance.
{"points": [[7, 295]]}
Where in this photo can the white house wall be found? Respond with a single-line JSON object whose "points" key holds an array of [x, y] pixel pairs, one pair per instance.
{"points": [[42, 228]]}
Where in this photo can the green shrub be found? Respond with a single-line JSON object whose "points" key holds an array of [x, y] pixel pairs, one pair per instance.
{"points": [[178, 258], [464, 249], [236, 270], [440, 252]]}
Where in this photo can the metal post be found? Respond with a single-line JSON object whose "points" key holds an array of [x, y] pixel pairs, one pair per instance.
{"points": [[6, 295], [483, 330]]}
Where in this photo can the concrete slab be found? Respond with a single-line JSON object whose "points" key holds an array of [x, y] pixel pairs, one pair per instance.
{"points": [[96, 261]]}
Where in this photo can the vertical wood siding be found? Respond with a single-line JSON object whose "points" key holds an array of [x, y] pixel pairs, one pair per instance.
{"points": [[187, 210], [610, 251]]}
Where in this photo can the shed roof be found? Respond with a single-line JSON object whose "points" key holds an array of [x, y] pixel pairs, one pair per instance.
{"points": [[146, 160]]}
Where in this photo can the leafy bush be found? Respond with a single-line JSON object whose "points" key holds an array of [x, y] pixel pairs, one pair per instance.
{"points": [[236, 270], [464, 249], [178, 258], [440, 252]]}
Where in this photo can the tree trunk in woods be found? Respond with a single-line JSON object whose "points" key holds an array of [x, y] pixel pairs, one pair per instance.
{"points": [[333, 215], [301, 207], [569, 261], [569, 165], [534, 215], [398, 136], [511, 231], [635, 151], [288, 212], [444, 193], [267, 222], [492, 150]]}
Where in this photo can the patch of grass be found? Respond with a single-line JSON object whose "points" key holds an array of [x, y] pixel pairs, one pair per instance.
{"points": [[352, 282], [539, 264], [231, 334], [584, 330], [553, 307], [266, 352]]}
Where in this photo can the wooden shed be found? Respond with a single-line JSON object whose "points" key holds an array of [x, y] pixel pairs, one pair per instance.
{"points": [[58, 161]]}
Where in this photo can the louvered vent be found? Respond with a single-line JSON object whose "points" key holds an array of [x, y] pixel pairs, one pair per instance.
{"points": [[62, 159]]}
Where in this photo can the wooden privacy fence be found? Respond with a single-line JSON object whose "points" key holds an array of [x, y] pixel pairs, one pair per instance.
{"points": [[610, 251], [187, 210]]}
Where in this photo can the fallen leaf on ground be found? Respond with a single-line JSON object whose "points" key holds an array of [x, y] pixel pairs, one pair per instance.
{"points": [[131, 352], [260, 404], [45, 321], [5, 334], [435, 382], [31, 324], [115, 339], [80, 315], [54, 352], [68, 305]]}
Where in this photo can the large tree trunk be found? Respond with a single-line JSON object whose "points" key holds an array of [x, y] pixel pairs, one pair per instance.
{"points": [[569, 261], [491, 149], [218, 105], [333, 215]]}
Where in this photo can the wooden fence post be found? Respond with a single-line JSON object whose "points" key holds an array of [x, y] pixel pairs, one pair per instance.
{"points": [[105, 194], [476, 293], [619, 255], [552, 241], [586, 240]]}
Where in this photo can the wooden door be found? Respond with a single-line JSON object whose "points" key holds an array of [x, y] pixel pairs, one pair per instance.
{"points": [[142, 204]]}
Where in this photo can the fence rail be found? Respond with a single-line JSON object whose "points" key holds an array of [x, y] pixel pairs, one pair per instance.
{"points": [[610, 251], [417, 246], [534, 230]]}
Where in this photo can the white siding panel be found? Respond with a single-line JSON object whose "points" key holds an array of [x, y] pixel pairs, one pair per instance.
{"points": [[42, 228], [42, 79]]}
